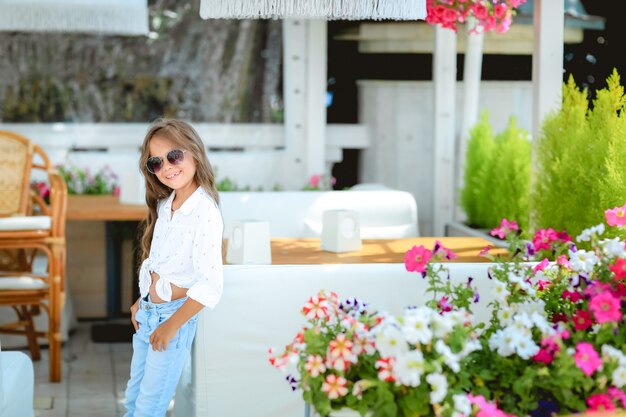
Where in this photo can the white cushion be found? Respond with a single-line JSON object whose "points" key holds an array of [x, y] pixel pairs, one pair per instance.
{"points": [[16, 223], [16, 385], [21, 283], [383, 214]]}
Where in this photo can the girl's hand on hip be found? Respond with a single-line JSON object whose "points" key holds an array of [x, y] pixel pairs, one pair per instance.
{"points": [[161, 336], [133, 310]]}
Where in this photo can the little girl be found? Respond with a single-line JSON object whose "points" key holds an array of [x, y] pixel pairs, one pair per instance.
{"points": [[182, 262]]}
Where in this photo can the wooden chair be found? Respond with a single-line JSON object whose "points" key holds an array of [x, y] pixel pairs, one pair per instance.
{"points": [[24, 234]]}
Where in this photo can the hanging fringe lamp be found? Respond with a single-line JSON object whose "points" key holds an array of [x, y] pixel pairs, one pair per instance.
{"points": [[314, 9], [112, 17]]}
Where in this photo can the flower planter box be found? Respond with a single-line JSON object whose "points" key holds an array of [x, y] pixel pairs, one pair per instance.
{"points": [[461, 229]]}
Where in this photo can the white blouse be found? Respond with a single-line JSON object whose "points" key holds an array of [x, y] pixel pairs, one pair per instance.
{"points": [[186, 250]]}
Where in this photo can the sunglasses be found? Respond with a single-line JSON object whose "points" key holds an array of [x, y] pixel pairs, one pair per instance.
{"points": [[174, 157]]}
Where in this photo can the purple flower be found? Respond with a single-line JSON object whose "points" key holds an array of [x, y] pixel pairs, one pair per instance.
{"points": [[293, 382]]}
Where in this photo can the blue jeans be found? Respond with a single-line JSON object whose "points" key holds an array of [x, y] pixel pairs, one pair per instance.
{"points": [[153, 374]]}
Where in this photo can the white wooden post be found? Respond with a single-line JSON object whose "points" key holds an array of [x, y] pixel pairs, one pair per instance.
{"points": [[304, 90], [472, 75], [444, 75], [294, 87], [547, 60], [316, 97]]}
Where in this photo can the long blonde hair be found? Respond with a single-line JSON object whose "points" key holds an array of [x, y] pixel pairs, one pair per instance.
{"points": [[184, 137]]}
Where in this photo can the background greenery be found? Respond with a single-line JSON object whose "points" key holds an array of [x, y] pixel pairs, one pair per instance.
{"points": [[581, 159], [497, 175]]}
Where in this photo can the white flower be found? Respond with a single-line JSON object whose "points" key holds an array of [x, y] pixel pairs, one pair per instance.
{"points": [[526, 348], [613, 247], [416, 325], [442, 325], [410, 368], [614, 353], [502, 342], [439, 385], [505, 316], [619, 376], [469, 347], [390, 341], [462, 405], [530, 307], [585, 236], [500, 291], [449, 358], [542, 323], [582, 260]]}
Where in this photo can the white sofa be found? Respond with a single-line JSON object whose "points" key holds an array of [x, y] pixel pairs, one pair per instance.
{"points": [[230, 376], [16, 385], [383, 214]]}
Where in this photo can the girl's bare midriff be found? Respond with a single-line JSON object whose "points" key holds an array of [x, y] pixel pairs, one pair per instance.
{"points": [[177, 292]]}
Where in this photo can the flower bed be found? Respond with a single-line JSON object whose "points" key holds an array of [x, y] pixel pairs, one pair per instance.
{"points": [[555, 343]]}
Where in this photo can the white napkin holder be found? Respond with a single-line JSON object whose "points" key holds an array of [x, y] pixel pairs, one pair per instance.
{"points": [[249, 243], [341, 231]]}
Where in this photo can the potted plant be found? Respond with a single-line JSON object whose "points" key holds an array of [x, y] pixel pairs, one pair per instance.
{"points": [[554, 345], [581, 153], [496, 179]]}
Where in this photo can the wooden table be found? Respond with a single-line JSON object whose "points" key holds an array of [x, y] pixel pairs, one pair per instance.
{"points": [[104, 208], [117, 218], [307, 251]]}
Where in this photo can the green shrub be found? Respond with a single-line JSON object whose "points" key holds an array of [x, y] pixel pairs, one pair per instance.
{"points": [[581, 160], [497, 176], [479, 152]]}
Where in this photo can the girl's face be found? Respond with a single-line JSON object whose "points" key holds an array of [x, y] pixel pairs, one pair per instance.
{"points": [[180, 175]]}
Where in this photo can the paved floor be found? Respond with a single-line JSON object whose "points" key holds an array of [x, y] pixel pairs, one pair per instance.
{"points": [[94, 377]]}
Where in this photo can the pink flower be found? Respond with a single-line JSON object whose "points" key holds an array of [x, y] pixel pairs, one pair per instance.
{"points": [[505, 228], [450, 15], [587, 358], [619, 268], [316, 307], [563, 261], [484, 251], [544, 238], [315, 365], [616, 216], [314, 180], [500, 10], [549, 347], [444, 305], [416, 259], [605, 307], [335, 386], [618, 394], [442, 251], [600, 402], [582, 320], [341, 347], [542, 285], [485, 409], [541, 265], [480, 11], [573, 296], [385, 369]]}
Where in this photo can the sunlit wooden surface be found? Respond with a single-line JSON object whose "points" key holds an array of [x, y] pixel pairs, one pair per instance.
{"points": [[105, 208], [307, 251]]}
